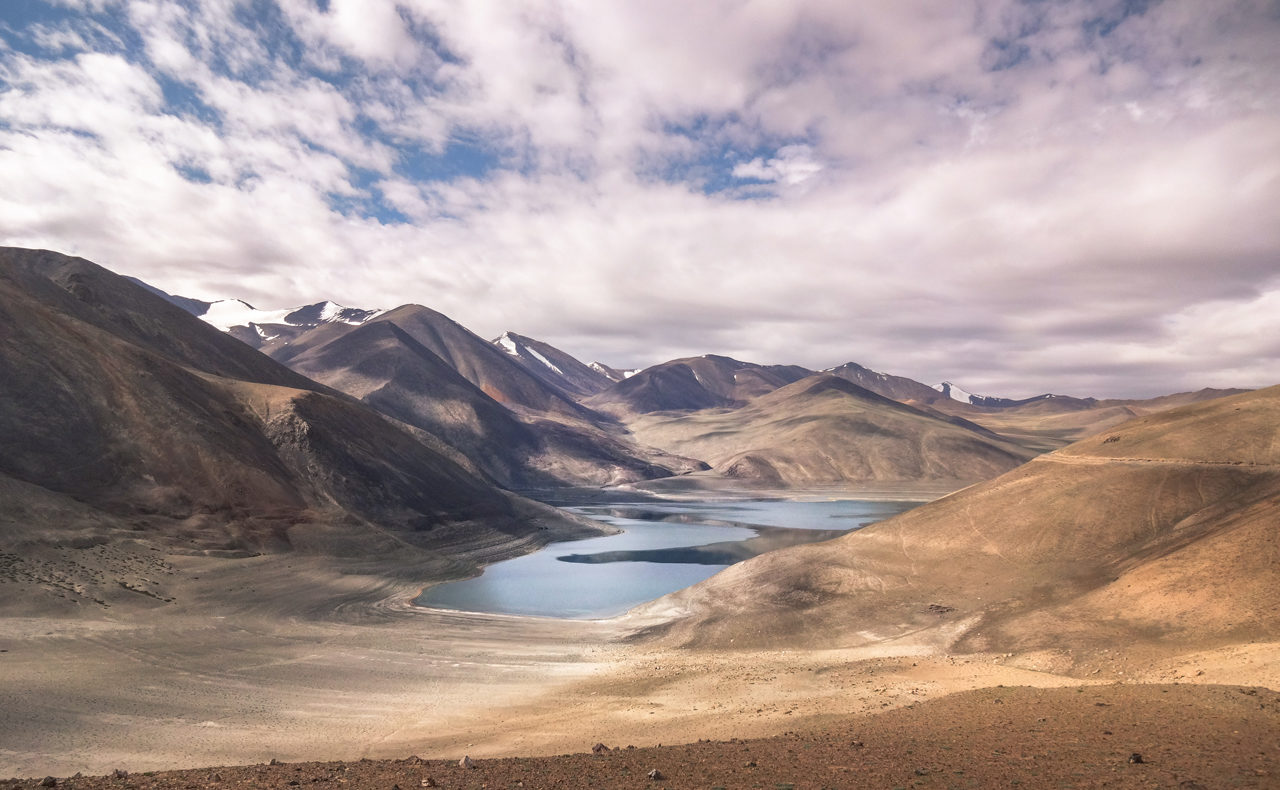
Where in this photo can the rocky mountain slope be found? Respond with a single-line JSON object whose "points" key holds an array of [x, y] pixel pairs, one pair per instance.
{"points": [[555, 367], [1158, 533], [387, 367], [123, 415]]}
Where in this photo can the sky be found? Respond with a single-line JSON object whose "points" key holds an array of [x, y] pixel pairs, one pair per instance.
{"points": [[1020, 196]]}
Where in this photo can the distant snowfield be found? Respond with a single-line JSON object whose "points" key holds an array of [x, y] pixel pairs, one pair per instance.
{"points": [[227, 313]]}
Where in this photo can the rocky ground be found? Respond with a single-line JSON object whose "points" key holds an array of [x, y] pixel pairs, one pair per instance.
{"points": [[1176, 736]]}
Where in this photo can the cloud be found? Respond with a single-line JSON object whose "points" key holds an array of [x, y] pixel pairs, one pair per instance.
{"points": [[793, 165], [1077, 197]]}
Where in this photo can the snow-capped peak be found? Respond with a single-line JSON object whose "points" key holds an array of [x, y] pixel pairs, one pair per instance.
{"points": [[523, 350], [509, 344], [330, 312], [227, 313], [613, 374], [954, 392]]}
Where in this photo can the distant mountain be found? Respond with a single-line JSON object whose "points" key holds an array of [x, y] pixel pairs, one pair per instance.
{"points": [[510, 416], [694, 383], [256, 327], [1052, 402], [387, 367], [138, 421], [1155, 535], [496, 373], [899, 388], [613, 374], [259, 327], [554, 366], [540, 382], [825, 430]]}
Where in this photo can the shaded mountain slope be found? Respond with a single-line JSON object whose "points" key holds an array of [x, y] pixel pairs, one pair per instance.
{"points": [[77, 289], [1161, 533], [177, 433], [496, 373], [694, 383], [553, 366], [385, 367], [824, 430]]}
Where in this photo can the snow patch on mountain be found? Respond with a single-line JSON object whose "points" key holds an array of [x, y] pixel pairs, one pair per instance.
{"points": [[227, 313], [544, 360], [955, 393], [509, 344]]}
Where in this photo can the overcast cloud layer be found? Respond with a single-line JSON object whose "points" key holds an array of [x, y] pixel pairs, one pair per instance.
{"points": [[1079, 196]]}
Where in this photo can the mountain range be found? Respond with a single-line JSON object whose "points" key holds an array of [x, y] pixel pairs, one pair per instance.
{"points": [[529, 415]]}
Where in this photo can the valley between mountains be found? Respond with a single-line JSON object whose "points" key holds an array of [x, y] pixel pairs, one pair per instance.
{"points": [[213, 521]]}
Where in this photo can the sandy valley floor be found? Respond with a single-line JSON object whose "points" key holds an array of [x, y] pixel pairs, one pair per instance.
{"points": [[281, 657], [185, 689]]}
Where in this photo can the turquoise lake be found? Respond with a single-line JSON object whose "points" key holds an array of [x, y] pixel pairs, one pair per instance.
{"points": [[664, 547]]}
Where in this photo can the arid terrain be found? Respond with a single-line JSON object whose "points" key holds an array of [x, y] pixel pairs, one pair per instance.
{"points": [[208, 560]]}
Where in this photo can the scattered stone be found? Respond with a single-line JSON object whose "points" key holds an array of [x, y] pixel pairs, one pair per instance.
{"points": [[656, 775], [120, 773], [48, 781], [274, 761], [217, 777], [1135, 759], [466, 762], [751, 764], [599, 748], [429, 782]]}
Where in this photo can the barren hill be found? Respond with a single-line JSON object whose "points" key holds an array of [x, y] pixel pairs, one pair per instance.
{"points": [[1161, 533], [825, 430]]}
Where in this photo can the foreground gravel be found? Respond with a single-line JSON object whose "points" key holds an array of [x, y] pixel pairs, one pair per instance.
{"points": [[1175, 736]]}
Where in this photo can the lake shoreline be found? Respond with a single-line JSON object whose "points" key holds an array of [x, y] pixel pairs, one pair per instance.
{"points": [[665, 545]]}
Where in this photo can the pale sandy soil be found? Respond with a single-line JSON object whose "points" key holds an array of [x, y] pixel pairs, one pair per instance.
{"points": [[190, 690], [282, 658]]}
